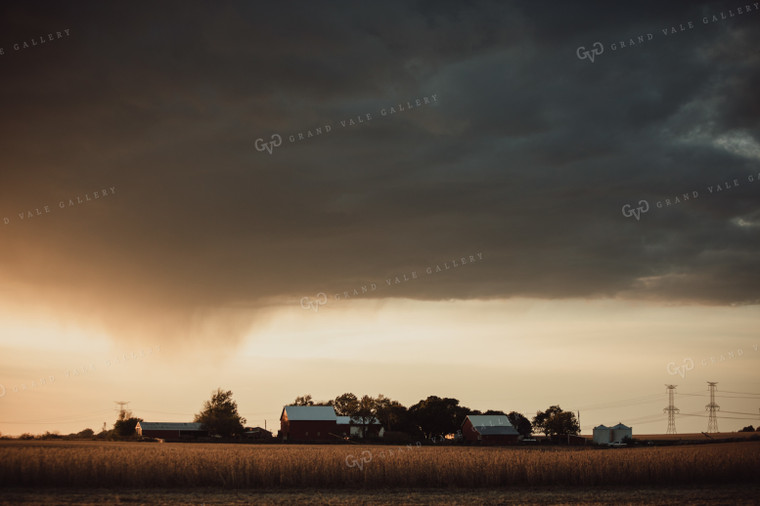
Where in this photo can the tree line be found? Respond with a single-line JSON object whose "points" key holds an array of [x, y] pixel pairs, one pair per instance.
{"points": [[429, 418]]}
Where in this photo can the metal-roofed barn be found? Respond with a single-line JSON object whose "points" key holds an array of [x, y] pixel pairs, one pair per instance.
{"points": [[256, 433], [489, 429], [170, 430], [308, 423]]}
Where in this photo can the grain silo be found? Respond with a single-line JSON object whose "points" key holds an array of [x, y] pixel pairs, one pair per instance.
{"points": [[620, 432], [602, 435]]}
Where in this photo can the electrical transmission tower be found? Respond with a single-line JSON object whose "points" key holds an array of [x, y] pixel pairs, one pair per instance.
{"points": [[121, 404], [671, 410], [712, 408]]}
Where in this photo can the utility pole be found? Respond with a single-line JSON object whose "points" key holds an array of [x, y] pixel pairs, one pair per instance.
{"points": [[671, 410], [712, 408]]}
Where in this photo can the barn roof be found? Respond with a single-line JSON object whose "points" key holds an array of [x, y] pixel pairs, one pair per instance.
{"points": [[312, 413], [490, 420], [169, 426], [256, 430], [492, 425]]}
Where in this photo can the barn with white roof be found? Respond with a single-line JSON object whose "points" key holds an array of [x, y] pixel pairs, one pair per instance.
{"points": [[170, 430], [489, 429]]}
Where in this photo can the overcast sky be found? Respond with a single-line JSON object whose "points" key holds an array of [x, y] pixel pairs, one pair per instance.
{"points": [[529, 199]]}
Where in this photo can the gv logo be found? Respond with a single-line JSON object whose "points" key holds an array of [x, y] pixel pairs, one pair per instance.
{"points": [[366, 457], [308, 303], [596, 49], [269, 146], [636, 213], [688, 365]]}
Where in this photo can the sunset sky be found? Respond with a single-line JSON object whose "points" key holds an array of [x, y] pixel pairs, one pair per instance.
{"points": [[532, 227]]}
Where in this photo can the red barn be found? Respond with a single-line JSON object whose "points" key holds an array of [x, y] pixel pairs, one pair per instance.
{"points": [[308, 423], [170, 430], [489, 429]]}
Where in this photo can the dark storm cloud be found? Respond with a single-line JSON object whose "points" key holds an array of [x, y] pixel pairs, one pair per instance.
{"points": [[527, 155]]}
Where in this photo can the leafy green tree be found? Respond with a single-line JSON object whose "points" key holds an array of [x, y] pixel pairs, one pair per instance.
{"points": [[125, 424], [346, 404], [303, 400], [220, 415], [365, 413], [87, 434], [520, 423], [554, 421], [437, 416], [391, 414]]}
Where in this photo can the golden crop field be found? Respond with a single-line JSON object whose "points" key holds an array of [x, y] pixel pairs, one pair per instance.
{"points": [[86, 465]]}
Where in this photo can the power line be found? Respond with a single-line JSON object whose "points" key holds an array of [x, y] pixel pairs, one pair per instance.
{"points": [[722, 417], [619, 403], [740, 393], [164, 412], [648, 422], [650, 417], [59, 419], [723, 396], [645, 421]]}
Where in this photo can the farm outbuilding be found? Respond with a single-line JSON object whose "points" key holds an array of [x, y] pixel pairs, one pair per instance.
{"points": [[489, 429], [308, 423], [256, 433], [615, 434], [170, 430], [352, 427]]}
